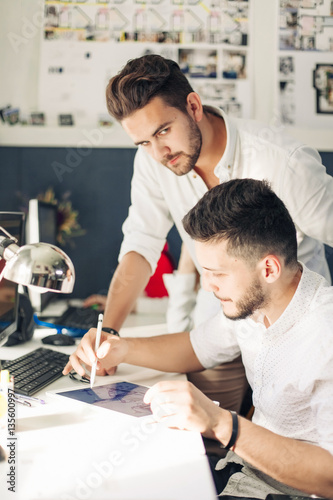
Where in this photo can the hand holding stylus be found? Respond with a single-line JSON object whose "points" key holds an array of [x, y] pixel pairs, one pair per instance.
{"points": [[100, 350]]}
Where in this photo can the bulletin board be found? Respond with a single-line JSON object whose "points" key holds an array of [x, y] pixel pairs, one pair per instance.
{"points": [[86, 42], [305, 63]]}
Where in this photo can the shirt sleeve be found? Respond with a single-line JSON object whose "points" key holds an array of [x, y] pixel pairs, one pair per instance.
{"points": [[322, 389], [311, 204], [182, 300], [215, 342], [149, 220]]}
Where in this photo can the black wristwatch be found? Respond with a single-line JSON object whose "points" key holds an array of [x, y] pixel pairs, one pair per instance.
{"points": [[110, 330]]}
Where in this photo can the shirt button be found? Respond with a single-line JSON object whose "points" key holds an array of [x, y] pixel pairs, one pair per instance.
{"points": [[229, 167], [194, 176]]}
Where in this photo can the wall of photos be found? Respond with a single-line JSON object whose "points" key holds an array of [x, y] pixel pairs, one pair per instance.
{"points": [[305, 63], [85, 43], [271, 61]]}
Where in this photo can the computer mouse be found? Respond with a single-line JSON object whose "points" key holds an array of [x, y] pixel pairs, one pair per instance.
{"points": [[58, 339]]}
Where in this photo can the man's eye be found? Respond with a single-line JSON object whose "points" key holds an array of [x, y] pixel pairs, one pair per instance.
{"points": [[164, 131], [146, 143]]}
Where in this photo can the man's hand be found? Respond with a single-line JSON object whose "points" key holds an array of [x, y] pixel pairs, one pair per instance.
{"points": [[96, 300], [181, 405], [110, 353]]}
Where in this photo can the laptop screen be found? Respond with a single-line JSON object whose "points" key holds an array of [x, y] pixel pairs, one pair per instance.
{"points": [[13, 223]]}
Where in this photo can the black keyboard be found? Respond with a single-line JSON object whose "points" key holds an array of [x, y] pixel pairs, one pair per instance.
{"points": [[78, 319], [35, 370]]}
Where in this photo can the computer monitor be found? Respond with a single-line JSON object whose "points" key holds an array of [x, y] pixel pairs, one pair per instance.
{"points": [[41, 227], [13, 222]]}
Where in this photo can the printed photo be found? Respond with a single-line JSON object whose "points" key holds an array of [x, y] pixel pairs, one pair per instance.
{"points": [[37, 119], [288, 39], [51, 16], [286, 66], [234, 64], [198, 63], [287, 102], [323, 84]]}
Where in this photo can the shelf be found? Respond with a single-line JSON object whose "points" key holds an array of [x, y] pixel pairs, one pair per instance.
{"points": [[85, 137], [115, 137]]}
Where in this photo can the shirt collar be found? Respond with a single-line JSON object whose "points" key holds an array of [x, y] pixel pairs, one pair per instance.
{"points": [[223, 169], [299, 304]]}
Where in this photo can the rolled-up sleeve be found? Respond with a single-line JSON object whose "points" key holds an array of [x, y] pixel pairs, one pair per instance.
{"points": [[149, 220], [311, 204]]}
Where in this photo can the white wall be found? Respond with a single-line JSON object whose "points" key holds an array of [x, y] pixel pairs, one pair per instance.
{"points": [[19, 52], [20, 37], [20, 40]]}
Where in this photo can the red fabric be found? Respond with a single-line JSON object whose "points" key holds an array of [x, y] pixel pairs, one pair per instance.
{"points": [[165, 265]]}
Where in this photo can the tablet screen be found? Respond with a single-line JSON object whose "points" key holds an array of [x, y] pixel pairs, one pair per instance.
{"points": [[123, 397]]}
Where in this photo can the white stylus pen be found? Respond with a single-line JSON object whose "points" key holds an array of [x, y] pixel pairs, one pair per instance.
{"points": [[97, 342]]}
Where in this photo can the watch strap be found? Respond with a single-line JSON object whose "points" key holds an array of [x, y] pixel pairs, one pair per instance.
{"points": [[110, 330], [234, 432]]}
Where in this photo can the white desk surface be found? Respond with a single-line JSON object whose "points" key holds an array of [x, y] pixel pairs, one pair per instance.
{"points": [[66, 450]]}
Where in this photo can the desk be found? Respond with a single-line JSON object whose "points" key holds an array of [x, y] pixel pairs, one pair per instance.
{"points": [[66, 451]]}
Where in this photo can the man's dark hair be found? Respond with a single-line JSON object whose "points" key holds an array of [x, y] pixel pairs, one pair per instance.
{"points": [[143, 79], [249, 216]]}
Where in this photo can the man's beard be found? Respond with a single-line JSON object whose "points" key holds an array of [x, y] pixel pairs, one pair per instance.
{"points": [[252, 300], [187, 161]]}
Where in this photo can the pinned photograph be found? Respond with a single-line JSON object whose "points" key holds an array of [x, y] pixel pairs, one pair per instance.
{"points": [[288, 18], [51, 16], [37, 118], [323, 84], [234, 64], [288, 39], [198, 63], [11, 116], [286, 66], [287, 102], [66, 120]]}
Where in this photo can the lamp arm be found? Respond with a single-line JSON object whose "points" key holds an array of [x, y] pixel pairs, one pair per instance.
{"points": [[8, 247]]}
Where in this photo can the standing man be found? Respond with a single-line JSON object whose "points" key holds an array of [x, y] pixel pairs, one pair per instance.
{"points": [[279, 316], [185, 149]]}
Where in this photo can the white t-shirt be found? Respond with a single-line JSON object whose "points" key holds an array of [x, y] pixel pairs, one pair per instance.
{"points": [[288, 365]]}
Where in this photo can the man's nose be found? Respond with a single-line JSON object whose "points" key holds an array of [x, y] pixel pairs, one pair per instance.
{"points": [[208, 283], [160, 150]]}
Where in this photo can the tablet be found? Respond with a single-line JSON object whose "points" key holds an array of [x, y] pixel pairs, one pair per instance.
{"points": [[123, 397]]}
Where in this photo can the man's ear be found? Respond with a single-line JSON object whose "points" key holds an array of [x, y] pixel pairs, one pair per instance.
{"points": [[194, 106], [270, 268]]}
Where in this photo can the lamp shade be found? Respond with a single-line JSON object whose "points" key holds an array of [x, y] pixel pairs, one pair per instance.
{"points": [[40, 265]]}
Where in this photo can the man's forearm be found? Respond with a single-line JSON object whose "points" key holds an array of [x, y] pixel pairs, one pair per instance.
{"points": [[168, 353], [298, 464], [128, 282]]}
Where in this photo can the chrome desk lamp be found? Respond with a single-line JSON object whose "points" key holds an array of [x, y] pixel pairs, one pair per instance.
{"points": [[39, 265]]}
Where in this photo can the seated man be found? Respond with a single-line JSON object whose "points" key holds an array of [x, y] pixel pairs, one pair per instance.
{"points": [[279, 316]]}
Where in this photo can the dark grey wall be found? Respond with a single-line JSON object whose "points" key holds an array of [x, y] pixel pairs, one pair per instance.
{"points": [[99, 184]]}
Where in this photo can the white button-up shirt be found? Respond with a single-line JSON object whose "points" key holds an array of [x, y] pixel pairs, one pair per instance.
{"points": [[160, 198], [288, 365]]}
